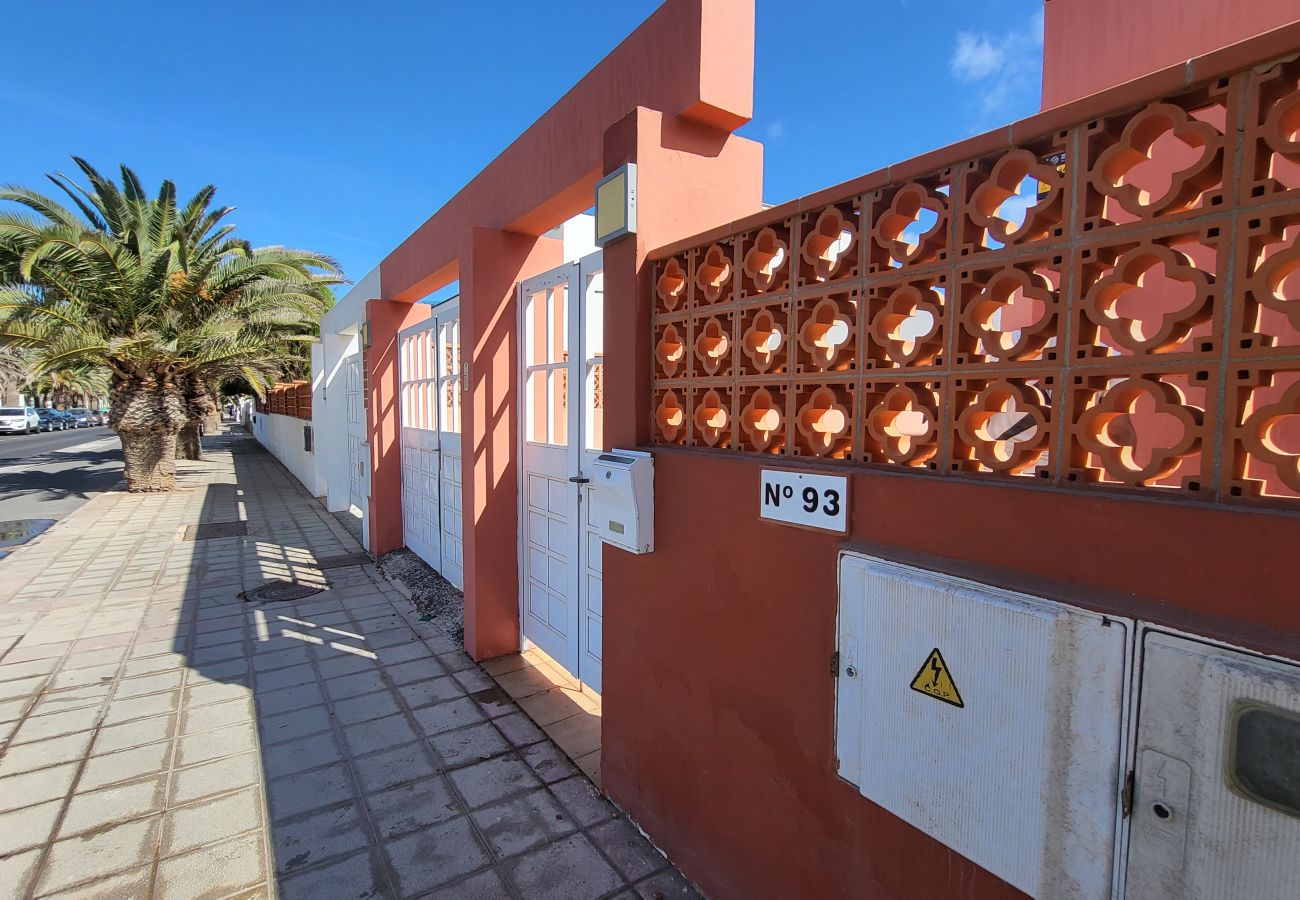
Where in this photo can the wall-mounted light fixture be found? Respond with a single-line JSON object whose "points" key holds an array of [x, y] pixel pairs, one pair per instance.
{"points": [[616, 205]]}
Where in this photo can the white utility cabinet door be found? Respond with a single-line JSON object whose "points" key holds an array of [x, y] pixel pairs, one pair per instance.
{"points": [[1216, 801], [990, 720]]}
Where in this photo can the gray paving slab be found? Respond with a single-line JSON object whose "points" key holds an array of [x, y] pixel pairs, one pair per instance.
{"points": [[159, 737]]}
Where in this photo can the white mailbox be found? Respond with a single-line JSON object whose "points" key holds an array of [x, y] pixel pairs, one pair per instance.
{"points": [[622, 508]]}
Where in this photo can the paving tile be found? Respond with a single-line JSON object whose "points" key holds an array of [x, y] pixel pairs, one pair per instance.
{"points": [[206, 745], [215, 692], [209, 821], [305, 841], [92, 856], [27, 827], [125, 765], [668, 885], [215, 871], [17, 872], [274, 702], [435, 855], [300, 755], [365, 707], [126, 885], [9, 671], [483, 886], [554, 705], [155, 683], [583, 801], [447, 716], [150, 665], [37, 728], [392, 767], [288, 677], [412, 806], [627, 849], [288, 726], [355, 684], [519, 729], [306, 791], [214, 777], [141, 707], [548, 762], [380, 734], [31, 788], [487, 782], [75, 698], [522, 823], [119, 803], [356, 876], [40, 754], [469, 745], [111, 738], [217, 715], [81, 677], [429, 691], [569, 869], [415, 670]]}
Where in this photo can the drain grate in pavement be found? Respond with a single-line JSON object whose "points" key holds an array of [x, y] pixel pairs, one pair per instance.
{"points": [[279, 592], [347, 559], [210, 530]]}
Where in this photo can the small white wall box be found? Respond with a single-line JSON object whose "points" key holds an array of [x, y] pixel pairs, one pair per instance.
{"points": [[622, 508], [991, 720]]}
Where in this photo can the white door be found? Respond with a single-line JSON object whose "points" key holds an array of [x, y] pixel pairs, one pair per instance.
{"points": [[429, 360], [1216, 788], [562, 332], [358, 464]]}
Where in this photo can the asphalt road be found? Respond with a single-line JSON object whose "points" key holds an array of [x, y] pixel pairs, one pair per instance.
{"points": [[48, 475]]}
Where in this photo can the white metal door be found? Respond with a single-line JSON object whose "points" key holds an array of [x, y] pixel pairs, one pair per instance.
{"points": [[562, 332], [429, 358], [1216, 792], [358, 467]]}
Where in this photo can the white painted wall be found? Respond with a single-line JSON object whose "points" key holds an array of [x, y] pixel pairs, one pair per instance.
{"points": [[283, 436]]}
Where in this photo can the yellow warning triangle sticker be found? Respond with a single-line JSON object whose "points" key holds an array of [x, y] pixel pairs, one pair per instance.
{"points": [[934, 680]]}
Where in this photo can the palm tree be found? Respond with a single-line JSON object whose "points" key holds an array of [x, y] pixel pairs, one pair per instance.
{"points": [[163, 296], [63, 386], [13, 369]]}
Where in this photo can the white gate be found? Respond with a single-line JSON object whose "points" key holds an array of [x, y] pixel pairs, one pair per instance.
{"points": [[562, 331], [429, 355], [358, 464]]}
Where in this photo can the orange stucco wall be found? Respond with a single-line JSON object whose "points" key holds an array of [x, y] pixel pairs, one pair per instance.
{"points": [[1090, 45]]}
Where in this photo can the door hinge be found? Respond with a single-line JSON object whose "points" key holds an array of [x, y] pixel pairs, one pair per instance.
{"points": [[835, 664], [1126, 796]]}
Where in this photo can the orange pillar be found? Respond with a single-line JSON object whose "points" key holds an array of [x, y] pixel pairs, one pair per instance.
{"points": [[384, 319], [492, 262]]}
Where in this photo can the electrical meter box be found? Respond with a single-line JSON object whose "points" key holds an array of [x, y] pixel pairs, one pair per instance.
{"points": [[622, 510]]}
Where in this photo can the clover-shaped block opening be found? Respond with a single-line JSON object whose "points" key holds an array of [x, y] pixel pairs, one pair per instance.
{"points": [[670, 422], [1151, 298], [714, 346], [1143, 431], [1266, 445], [670, 350], [713, 273], [910, 226], [829, 245], [765, 340], [1272, 160], [823, 420], [765, 260], [671, 285], [1020, 199], [827, 333], [1009, 314], [901, 423], [712, 418], [761, 419], [1269, 319], [907, 325], [1166, 159], [1003, 426]]}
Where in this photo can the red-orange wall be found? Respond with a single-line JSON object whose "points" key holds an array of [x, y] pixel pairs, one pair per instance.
{"points": [[1090, 45]]}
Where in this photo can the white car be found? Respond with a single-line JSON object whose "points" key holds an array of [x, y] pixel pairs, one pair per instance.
{"points": [[19, 420]]}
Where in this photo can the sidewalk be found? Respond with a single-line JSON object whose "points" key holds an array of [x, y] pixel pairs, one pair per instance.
{"points": [[160, 736]]}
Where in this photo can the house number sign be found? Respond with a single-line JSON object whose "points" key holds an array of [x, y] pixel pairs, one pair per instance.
{"points": [[801, 498]]}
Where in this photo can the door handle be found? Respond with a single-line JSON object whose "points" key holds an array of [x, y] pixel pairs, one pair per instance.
{"points": [[578, 479]]}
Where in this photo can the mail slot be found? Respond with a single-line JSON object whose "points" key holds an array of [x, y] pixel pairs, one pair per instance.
{"points": [[622, 510]]}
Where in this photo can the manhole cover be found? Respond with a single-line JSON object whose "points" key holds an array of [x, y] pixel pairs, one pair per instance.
{"points": [[347, 559], [279, 591], [214, 530]]}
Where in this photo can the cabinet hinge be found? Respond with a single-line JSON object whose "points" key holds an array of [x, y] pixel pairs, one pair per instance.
{"points": [[835, 664], [1126, 796]]}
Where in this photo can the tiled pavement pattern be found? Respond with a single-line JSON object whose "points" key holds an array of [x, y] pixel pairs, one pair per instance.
{"points": [[160, 737]]}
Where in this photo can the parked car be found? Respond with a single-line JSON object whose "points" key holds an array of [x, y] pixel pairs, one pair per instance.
{"points": [[19, 420], [54, 420], [80, 417], [101, 416]]}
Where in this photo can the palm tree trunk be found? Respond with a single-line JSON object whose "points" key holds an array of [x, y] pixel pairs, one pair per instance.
{"points": [[188, 443], [147, 414], [198, 406]]}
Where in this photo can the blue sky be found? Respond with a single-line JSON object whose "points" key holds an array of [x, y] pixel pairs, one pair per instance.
{"points": [[341, 126]]}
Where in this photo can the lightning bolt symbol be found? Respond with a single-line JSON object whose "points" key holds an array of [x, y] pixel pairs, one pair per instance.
{"points": [[935, 667]]}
